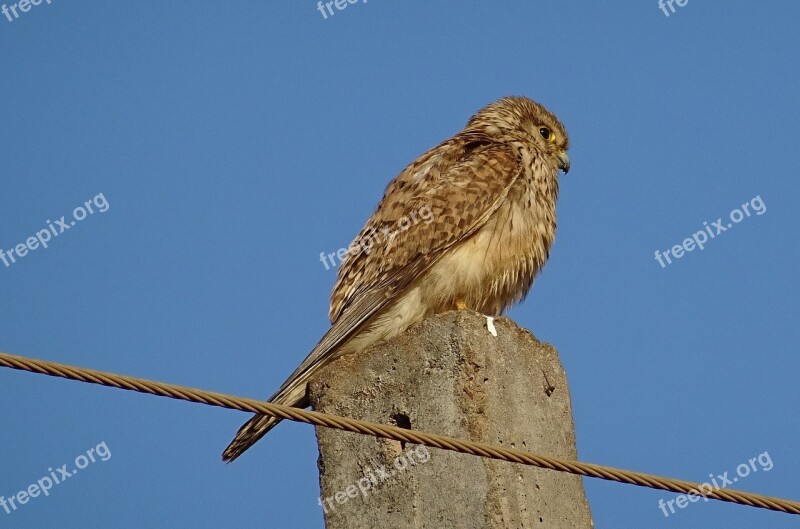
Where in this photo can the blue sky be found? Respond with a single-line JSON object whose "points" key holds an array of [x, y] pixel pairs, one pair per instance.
{"points": [[232, 143]]}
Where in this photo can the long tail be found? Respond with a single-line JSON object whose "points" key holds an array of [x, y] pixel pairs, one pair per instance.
{"points": [[293, 391], [260, 425]]}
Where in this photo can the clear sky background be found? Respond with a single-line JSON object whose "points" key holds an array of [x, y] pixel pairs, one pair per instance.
{"points": [[234, 142]]}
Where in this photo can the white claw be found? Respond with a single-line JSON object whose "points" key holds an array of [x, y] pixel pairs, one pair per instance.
{"points": [[490, 325]]}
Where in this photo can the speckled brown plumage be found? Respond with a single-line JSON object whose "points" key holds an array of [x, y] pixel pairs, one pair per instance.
{"points": [[491, 192]]}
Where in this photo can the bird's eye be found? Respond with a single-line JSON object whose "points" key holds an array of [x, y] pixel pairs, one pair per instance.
{"points": [[547, 134]]}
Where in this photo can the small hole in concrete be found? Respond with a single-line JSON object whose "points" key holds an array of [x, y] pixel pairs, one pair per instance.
{"points": [[402, 421]]}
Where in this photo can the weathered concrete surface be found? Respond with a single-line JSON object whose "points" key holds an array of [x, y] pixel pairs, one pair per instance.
{"points": [[449, 375]]}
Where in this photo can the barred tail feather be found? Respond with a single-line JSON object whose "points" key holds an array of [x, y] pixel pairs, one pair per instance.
{"points": [[260, 425]]}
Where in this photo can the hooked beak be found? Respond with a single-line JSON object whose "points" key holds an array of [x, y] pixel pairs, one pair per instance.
{"points": [[564, 161]]}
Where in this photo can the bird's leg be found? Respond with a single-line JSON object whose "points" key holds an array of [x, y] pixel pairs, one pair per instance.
{"points": [[461, 304]]}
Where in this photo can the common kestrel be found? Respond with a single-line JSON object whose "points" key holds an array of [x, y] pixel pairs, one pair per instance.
{"points": [[492, 192]]}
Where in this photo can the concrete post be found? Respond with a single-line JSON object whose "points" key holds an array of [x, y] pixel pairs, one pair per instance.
{"points": [[454, 374]]}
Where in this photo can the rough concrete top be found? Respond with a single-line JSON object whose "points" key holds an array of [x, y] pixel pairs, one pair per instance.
{"points": [[453, 374]]}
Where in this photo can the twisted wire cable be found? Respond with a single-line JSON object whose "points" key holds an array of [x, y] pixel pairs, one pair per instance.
{"points": [[221, 400]]}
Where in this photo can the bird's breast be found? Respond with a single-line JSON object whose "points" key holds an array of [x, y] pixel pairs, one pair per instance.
{"points": [[496, 266]]}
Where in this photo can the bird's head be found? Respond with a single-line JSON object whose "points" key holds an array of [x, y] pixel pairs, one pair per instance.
{"points": [[518, 119]]}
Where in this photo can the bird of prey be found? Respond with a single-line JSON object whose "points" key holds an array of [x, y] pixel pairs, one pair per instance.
{"points": [[491, 190]]}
